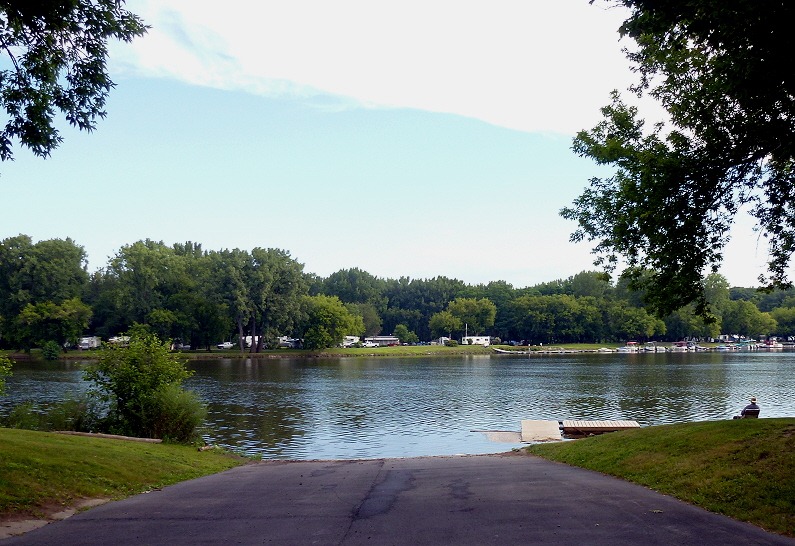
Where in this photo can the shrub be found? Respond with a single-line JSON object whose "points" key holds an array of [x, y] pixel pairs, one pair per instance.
{"points": [[451, 343], [141, 384], [78, 414], [5, 371], [51, 350], [175, 414], [24, 416]]}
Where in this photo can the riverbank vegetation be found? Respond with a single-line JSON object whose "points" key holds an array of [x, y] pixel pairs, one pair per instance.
{"points": [[741, 468], [136, 390], [198, 298], [39, 470]]}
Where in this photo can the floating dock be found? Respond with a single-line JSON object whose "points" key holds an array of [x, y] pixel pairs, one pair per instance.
{"points": [[535, 430], [584, 428]]}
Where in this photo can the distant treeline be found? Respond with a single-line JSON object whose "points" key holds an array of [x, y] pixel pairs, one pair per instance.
{"points": [[200, 297]]}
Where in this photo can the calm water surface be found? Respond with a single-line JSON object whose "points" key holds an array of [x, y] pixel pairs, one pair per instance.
{"points": [[385, 407]]}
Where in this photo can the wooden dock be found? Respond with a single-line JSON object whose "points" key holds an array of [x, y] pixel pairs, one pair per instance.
{"points": [[584, 428], [537, 430]]}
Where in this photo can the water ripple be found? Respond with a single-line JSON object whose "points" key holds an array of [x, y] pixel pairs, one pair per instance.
{"points": [[381, 407]]}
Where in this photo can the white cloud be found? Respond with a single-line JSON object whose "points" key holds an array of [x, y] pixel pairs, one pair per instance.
{"points": [[522, 64]]}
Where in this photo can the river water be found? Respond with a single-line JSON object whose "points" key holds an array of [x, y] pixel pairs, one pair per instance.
{"points": [[388, 407]]}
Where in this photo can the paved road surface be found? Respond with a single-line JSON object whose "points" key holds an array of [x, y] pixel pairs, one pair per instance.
{"points": [[497, 499]]}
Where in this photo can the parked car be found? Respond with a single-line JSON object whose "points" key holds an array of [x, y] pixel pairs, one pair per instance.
{"points": [[370, 344], [226, 345]]}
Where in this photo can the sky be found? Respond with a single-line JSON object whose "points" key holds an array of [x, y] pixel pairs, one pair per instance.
{"points": [[415, 139]]}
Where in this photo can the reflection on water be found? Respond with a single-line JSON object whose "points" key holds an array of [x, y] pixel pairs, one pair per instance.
{"points": [[383, 407]]}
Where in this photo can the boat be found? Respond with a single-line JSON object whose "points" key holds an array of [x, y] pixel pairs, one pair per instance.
{"points": [[630, 347]]}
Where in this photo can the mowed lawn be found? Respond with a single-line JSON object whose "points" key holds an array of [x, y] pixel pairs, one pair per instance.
{"points": [[40, 470], [742, 468]]}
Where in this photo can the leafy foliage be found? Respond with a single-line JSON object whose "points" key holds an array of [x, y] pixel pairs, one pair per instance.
{"points": [[404, 335], [141, 384], [199, 298], [41, 286], [476, 314], [5, 371], [723, 73], [327, 321], [444, 323], [57, 50], [51, 350]]}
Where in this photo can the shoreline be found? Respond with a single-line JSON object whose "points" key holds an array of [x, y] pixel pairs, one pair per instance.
{"points": [[418, 351]]}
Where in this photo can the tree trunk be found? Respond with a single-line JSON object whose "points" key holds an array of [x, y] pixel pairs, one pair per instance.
{"points": [[241, 339], [254, 339]]}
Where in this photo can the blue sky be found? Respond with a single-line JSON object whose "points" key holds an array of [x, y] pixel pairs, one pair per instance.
{"points": [[406, 139]]}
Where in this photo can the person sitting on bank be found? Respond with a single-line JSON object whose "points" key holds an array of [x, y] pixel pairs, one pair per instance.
{"points": [[751, 410]]}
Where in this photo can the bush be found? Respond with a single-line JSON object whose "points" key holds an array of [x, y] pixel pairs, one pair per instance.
{"points": [[24, 416], [141, 384], [80, 415], [451, 343], [51, 350], [175, 414], [5, 370]]}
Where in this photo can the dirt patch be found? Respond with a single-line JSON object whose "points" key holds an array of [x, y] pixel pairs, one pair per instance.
{"points": [[19, 524]]}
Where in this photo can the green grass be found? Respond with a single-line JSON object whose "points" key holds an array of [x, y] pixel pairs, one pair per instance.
{"points": [[40, 469], [742, 468]]}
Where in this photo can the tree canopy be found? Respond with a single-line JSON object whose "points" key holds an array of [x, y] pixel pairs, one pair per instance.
{"points": [[202, 297], [57, 51], [724, 74]]}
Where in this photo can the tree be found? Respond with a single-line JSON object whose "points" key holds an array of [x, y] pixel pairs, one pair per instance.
{"points": [[404, 335], [444, 323], [356, 286], [57, 51], [148, 273], [476, 314], [633, 323], [785, 320], [278, 289], [744, 318], [46, 275], [48, 321], [685, 323], [141, 384], [370, 317], [230, 271], [327, 321], [724, 75]]}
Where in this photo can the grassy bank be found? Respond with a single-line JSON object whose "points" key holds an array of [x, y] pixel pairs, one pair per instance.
{"points": [[744, 469], [40, 470], [419, 350]]}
